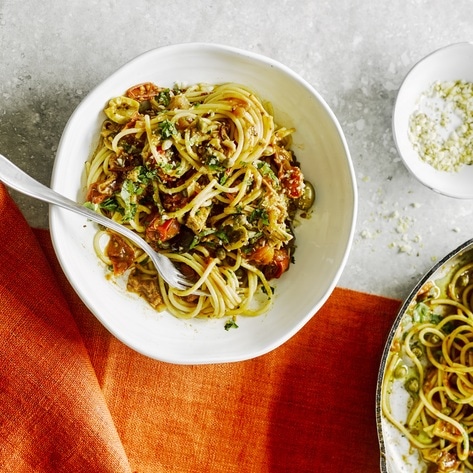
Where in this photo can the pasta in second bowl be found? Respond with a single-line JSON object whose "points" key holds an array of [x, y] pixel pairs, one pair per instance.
{"points": [[322, 241], [425, 391]]}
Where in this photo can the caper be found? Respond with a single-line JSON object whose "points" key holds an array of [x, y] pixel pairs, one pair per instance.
{"points": [[400, 371], [221, 253], [306, 200], [417, 351], [412, 385]]}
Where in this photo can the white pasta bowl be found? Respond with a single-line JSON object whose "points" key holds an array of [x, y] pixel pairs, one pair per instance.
{"points": [[451, 63], [323, 241]]}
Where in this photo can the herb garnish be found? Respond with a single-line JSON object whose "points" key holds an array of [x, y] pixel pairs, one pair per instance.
{"points": [[259, 214], [167, 129], [230, 324], [164, 97]]}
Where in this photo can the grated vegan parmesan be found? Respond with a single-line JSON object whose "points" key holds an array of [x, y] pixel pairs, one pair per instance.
{"points": [[441, 129]]}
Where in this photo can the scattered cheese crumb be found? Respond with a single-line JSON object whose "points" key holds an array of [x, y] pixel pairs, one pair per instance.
{"points": [[403, 224], [405, 248]]}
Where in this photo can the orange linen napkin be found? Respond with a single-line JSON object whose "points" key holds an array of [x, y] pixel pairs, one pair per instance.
{"points": [[75, 399]]}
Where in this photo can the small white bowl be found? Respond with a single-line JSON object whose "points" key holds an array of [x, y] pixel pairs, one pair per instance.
{"points": [[323, 242], [454, 62]]}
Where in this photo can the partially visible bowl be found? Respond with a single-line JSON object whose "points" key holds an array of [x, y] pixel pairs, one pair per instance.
{"points": [[398, 455], [324, 241], [451, 63]]}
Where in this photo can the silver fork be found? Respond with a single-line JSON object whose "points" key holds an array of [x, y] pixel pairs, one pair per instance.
{"points": [[17, 179]]}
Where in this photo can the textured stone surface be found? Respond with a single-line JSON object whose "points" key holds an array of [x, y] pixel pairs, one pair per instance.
{"points": [[354, 52]]}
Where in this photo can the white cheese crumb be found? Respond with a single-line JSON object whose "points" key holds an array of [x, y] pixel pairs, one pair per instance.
{"points": [[405, 248], [441, 130], [403, 224]]}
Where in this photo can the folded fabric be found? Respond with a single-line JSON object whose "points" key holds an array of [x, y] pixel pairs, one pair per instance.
{"points": [[74, 398], [53, 415]]}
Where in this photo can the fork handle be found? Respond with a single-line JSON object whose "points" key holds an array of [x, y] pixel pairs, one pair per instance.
{"points": [[17, 179]]}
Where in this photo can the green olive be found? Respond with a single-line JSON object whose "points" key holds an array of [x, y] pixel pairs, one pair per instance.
{"points": [[306, 200]]}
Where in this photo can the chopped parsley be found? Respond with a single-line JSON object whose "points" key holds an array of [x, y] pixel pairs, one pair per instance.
{"points": [[213, 163], [422, 313], [266, 171], [164, 97], [146, 175], [223, 178], [230, 324], [198, 238], [195, 241], [167, 129], [263, 289], [128, 194], [259, 214], [110, 204], [222, 235], [89, 205]]}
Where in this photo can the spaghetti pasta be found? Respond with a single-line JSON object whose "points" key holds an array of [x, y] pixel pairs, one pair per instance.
{"points": [[207, 178], [434, 353]]}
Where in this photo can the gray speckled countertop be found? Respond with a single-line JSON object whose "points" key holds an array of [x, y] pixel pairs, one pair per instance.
{"points": [[354, 52]]}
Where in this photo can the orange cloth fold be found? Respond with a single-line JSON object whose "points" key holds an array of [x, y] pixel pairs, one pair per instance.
{"points": [[74, 398]]}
